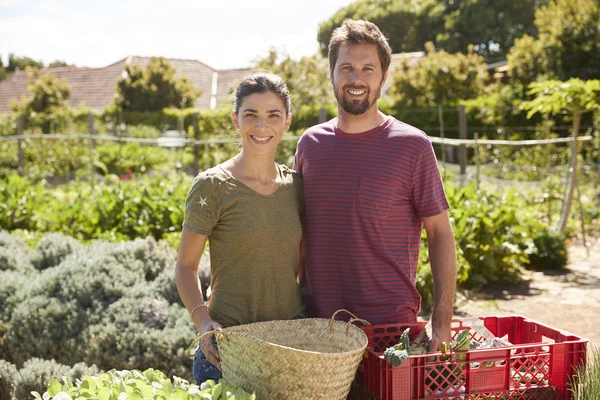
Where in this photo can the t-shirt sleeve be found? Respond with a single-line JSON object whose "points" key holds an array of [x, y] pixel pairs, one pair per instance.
{"points": [[298, 156], [201, 206], [427, 192]]}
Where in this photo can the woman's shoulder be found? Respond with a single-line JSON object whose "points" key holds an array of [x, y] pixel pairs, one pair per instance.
{"points": [[292, 178], [211, 177], [285, 170]]}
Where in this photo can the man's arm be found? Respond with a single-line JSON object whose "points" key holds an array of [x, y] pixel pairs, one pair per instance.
{"points": [[442, 257]]}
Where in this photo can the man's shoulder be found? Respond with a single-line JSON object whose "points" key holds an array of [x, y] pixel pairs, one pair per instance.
{"points": [[408, 133], [321, 130]]}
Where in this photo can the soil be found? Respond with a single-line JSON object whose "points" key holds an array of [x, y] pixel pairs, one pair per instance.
{"points": [[568, 299]]}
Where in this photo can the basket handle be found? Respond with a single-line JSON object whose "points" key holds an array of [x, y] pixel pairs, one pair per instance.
{"points": [[353, 319], [191, 351]]}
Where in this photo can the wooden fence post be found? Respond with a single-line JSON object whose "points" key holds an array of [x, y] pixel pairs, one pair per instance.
{"points": [[92, 144], [476, 160], [462, 134], [442, 136], [196, 147], [20, 132], [322, 115]]}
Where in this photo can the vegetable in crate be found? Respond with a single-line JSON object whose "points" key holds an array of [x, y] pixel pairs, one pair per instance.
{"points": [[396, 355]]}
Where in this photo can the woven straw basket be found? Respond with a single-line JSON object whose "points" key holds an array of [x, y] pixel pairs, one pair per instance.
{"points": [[312, 358]]}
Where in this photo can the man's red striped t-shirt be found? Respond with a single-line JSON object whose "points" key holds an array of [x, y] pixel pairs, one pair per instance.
{"points": [[365, 195]]}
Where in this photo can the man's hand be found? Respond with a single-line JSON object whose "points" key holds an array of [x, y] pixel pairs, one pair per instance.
{"points": [[438, 336]]}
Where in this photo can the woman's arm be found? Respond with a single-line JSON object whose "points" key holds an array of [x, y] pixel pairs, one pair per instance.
{"points": [[191, 248]]}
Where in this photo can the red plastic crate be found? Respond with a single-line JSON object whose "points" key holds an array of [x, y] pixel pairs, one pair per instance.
{"points": [[539, 365]]}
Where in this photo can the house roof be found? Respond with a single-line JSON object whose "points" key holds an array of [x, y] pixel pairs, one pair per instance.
{"points": [[397, 60], [96, 87], [227, 82]]}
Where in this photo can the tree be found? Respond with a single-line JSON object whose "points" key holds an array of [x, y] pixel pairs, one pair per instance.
{"points": [[59, 63], [491, 26], [439, 78], [569, 31], [574, 97], [21, 63], [568, 44], [527, 62], [3, 73], [154, 87], [407, 26], [48, 99], [307, 79]]}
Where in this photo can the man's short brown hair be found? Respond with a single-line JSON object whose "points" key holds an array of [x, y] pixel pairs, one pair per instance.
{"points": [[353, 32]]}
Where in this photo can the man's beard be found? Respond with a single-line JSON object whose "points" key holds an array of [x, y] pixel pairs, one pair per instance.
{"points": [[356, 107]]}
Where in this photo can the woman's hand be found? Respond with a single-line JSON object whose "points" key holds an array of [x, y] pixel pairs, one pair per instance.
{"points": [[207, 343]]}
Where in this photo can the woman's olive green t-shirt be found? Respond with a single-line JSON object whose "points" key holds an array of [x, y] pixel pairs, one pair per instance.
{"points": [[254, 244]]}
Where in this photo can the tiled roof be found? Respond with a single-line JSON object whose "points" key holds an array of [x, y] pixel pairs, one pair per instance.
{"points": [[227, 81], [95, 87]]}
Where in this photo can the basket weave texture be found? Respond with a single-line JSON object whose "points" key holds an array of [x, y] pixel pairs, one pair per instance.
{"points": [[312, 358]]}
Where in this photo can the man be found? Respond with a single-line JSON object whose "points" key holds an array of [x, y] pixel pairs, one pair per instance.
{"points": [[371, 185]]}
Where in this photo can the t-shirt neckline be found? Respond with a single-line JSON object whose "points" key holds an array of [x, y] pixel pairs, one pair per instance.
{"points": [[242, 184], [338, 132]]}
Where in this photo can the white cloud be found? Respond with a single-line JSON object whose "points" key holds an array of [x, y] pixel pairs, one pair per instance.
{"points": [[221, 33], [10, 3]]}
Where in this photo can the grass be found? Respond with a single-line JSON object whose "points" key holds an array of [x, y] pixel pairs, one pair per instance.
{"points": [[587, 380]]}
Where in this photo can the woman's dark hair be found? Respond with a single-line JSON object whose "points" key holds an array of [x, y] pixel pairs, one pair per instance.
{"points": [[261, 82]]}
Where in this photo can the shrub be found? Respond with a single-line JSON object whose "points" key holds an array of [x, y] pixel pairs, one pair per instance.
{"points": [[142, 131], [550, 250], [8, 378], [53, 248], [142, 342], [47, 327], [15, 255], [37, 373]]}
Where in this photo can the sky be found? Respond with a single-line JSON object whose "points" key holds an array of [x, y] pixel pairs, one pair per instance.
{"points": [[223, 34]]}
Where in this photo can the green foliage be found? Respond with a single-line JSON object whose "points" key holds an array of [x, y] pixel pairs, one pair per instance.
{"points": [[568, 45], [47, 101], [148, 206], [527, 62], [150, 384], [307, 79], [22, 63], [37, 373], [549, 250], [8, 378], [132, 158], [154, 87], [59, 64], [439, 78], [142, 131], [8, 125], [494, 237], [491, 26], [571, 38], [574, 96]]}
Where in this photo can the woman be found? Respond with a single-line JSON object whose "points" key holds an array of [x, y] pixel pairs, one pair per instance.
{"points": [[250, 209]]}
